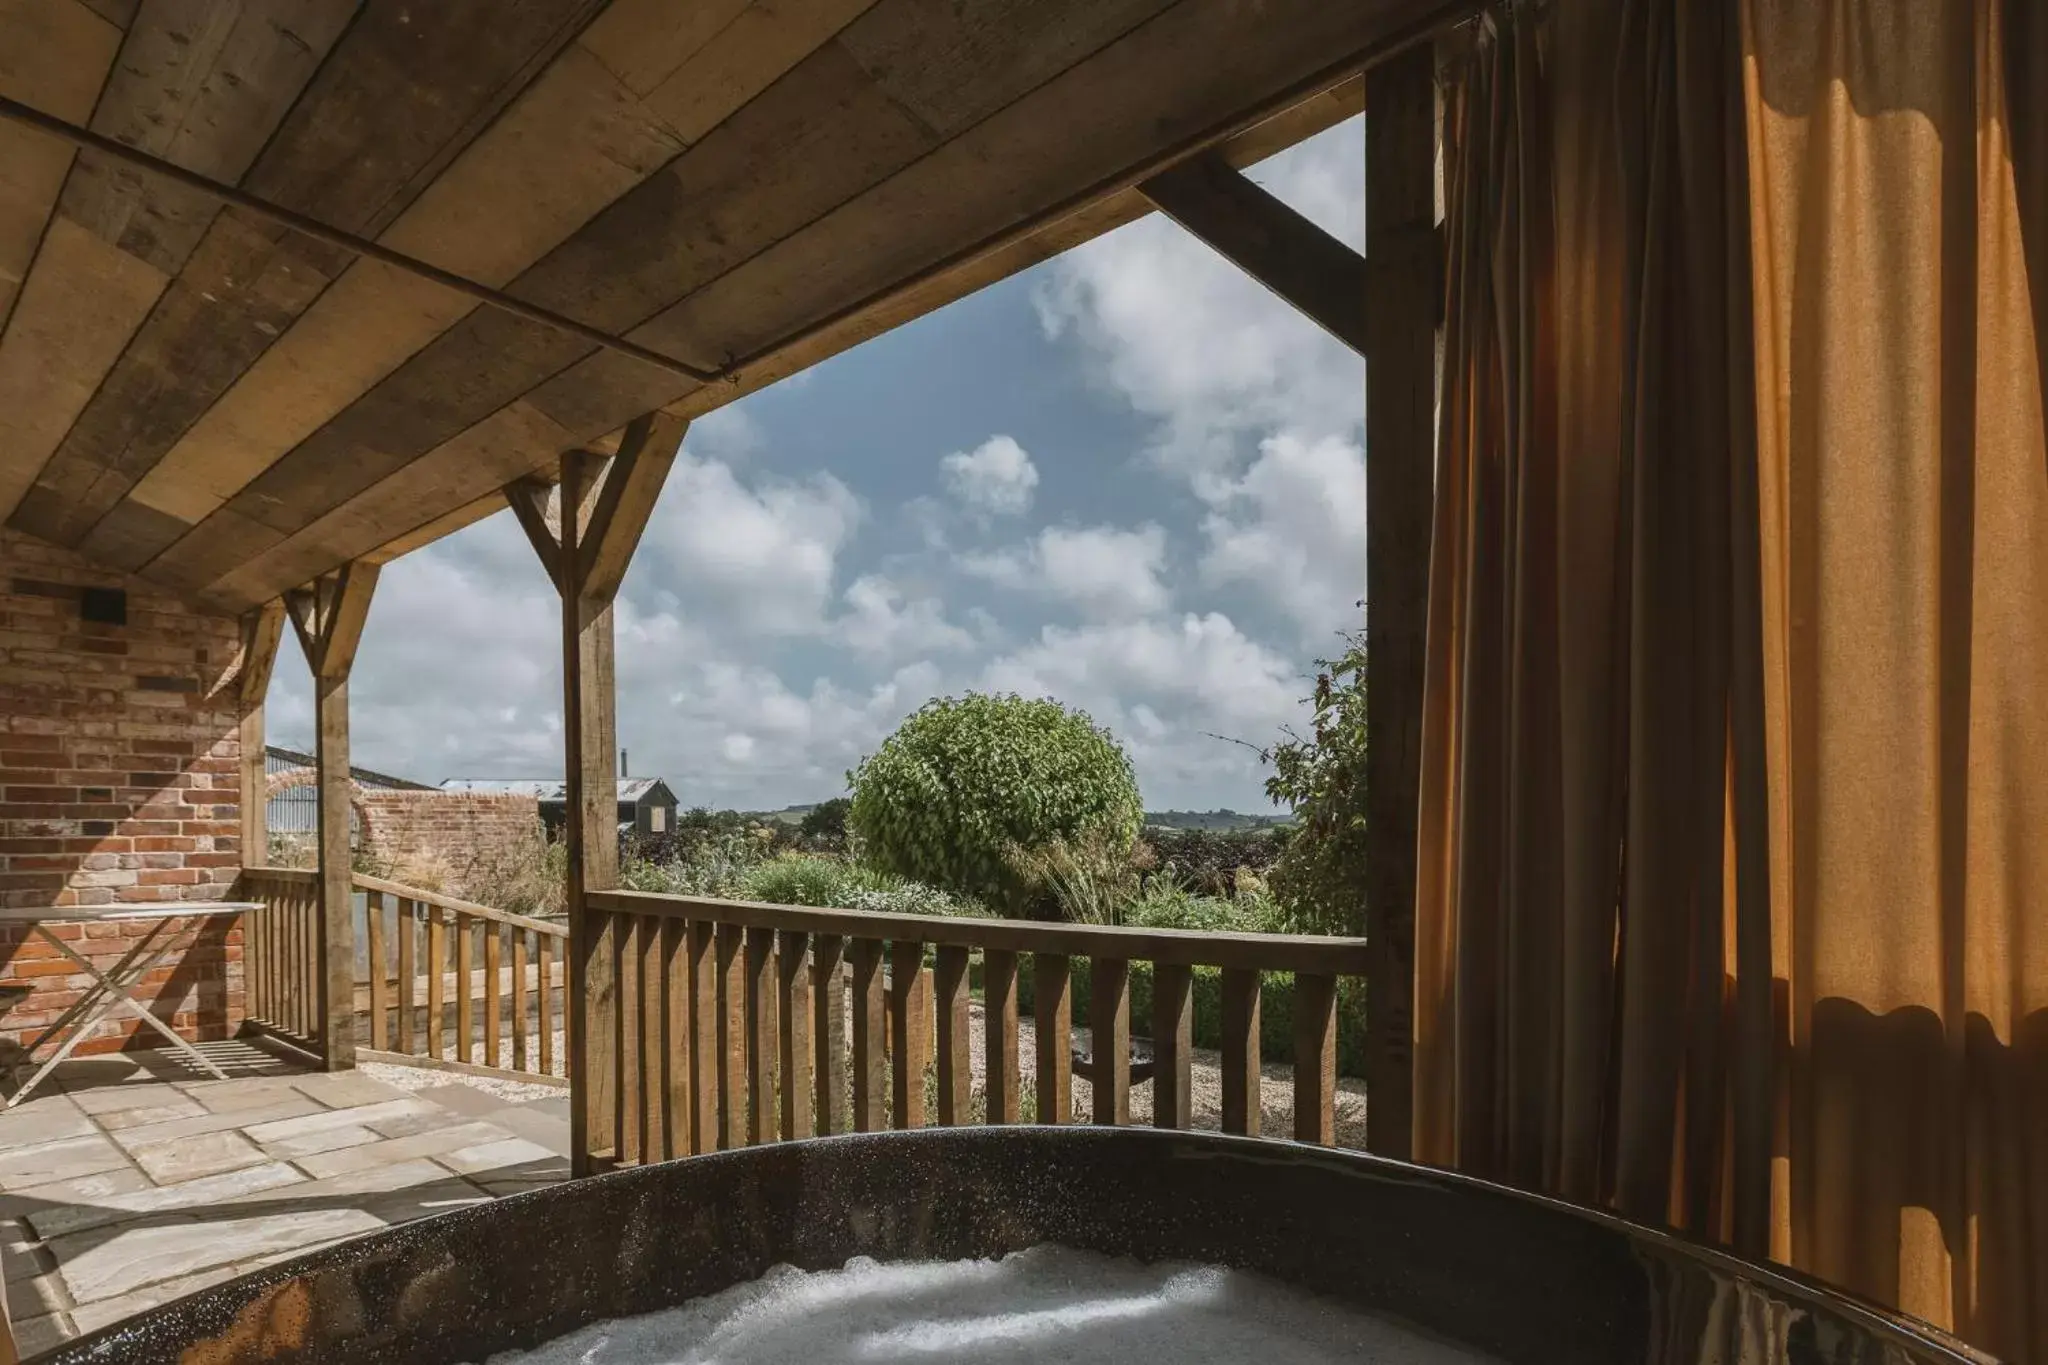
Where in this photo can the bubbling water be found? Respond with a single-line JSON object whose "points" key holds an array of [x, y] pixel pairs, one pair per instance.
{"points": [[1048, 1303]]}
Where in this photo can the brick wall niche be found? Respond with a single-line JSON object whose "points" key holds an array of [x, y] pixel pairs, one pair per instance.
{"points": [[119, 781]]}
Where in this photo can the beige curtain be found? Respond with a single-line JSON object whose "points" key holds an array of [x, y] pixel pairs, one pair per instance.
{"points": [[1733, 904]]}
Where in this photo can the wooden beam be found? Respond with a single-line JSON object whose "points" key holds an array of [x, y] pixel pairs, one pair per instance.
{"points": [[528, 499], [590, 731], [632, 483], [328, 618], [259, 207], [1400, 441], [261, 631], [1269, 241]]}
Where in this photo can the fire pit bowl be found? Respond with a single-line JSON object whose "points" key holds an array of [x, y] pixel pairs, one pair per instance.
{"points": [[1526, 1280]]}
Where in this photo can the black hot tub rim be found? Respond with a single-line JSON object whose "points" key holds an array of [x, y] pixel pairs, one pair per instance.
{"points": [[1564, 1283]]}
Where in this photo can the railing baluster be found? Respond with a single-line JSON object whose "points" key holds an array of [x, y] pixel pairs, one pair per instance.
{"points": [[1109, 1038], [1173, 1045], [705, 1066], [1315, 1058], [793, 1014], [761, 1048], [870, 1025], [494, 997], [828, 1032], [437, 1000], [653, 1076], [999, 1022], [956, 1075], [675, 1038], [373, 922], [1241, 1051], [1052, 998], [465, 986], [545, 989], [732, 1037], [408, 991], [912, 1032], [625, 938], [519, 1047]]}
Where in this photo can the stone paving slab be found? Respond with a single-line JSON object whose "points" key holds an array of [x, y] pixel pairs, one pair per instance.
{"points": [[182, 1159], [131, 1182], [285, 1130], [145, 1115], [346, 1089], [85, 1190], [116, 1208], [494, 1156], [449, 1138], [65, 1159], [289, 1106], [96, 1267]]}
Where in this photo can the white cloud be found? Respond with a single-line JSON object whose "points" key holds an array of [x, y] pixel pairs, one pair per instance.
{"points": [[1294, 525], [1166, 689], [881, 622], [996, 478], [1107, 572], [762, 557]]}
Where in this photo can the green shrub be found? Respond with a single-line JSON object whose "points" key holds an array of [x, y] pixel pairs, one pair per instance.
{"points": [[1320, 876], [966, 781], [1088, 880]]}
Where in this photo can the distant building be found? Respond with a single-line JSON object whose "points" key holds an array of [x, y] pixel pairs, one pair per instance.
{"points": [[646, 805], [293, 809]]}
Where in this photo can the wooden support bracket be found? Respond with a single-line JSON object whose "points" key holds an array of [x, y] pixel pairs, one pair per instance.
{"points": [[1269, 241]]}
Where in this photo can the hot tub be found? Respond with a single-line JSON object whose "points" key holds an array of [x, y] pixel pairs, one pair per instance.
{"points": [[1519, 1278]]}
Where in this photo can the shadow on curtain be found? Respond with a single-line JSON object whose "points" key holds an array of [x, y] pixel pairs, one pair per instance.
{"points": [[1733, 900]]}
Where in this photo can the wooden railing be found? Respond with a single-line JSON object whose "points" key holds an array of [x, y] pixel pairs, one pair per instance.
{"points": [[441, 979], [736, 1023], [281, 952]]}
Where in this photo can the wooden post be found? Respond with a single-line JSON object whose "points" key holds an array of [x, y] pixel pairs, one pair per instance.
{"points": [[602, 510], [261, 630], [1401, 248], [328, 618]]}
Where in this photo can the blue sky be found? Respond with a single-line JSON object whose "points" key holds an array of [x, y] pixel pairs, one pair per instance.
{"points": [[1128, 478]]}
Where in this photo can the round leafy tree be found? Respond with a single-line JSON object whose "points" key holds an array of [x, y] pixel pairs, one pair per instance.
{"points": [[965, 783]]}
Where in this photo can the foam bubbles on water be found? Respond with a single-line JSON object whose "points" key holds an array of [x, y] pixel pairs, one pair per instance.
{"points": [[1045, 1304]]}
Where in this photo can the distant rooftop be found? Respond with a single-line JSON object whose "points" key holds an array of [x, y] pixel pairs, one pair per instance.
{"points": [[544, 789]]}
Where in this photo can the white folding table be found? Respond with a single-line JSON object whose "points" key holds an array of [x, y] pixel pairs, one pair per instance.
{"points": [[112, 989]]}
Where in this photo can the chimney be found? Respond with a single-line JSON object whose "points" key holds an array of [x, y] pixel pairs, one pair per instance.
{"points": [[623, 771]]}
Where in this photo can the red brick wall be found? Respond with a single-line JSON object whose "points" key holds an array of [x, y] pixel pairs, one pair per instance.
{"points": [[414, 834], [119, 781]]}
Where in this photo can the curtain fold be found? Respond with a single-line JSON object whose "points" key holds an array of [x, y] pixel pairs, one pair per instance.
{"points": [[1733, 892]]}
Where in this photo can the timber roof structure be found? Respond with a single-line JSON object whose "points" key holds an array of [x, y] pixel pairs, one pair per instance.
{"points": [[284, 287]]}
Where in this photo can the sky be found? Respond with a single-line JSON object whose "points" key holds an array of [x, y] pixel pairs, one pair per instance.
{"points": [[1128, 478]]}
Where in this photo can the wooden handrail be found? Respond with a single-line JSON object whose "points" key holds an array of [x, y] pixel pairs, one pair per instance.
{"points": [[283, 876], [364, 882], [1315, 954]]}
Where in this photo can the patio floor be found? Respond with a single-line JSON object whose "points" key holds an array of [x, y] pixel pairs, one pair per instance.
{"points": [[129, 1181]]}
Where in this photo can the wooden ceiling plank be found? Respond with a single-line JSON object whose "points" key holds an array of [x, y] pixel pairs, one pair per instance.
{"points": [[601, 393], [643, 42], [202, 85], [764, 42], [759, 176], [819, 136], [54, 54], [474, 59], [493, 453], [1098, 122], [954, 65]]}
